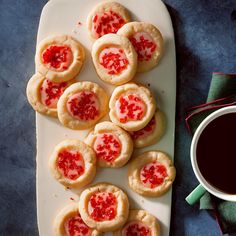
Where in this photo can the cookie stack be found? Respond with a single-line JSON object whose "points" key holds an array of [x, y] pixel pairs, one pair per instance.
{"points": [[121, 49]]}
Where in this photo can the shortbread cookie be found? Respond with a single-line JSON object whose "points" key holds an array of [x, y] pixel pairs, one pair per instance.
{"points": [[73, 163], [131, 106], [147, 41], [112, 145], [151, 174], [139, 223], [59, 58], [107, 17], [82, 105], [69, 223], [43, 94], [114, 58], [151, 133], [104, 207]]}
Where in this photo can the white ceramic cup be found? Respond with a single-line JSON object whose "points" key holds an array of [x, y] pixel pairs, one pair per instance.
{"points": [[204, 186]]}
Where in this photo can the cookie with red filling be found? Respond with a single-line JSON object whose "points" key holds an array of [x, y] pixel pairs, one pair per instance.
{"points": [[82, 105], [147, 41], [104, 207], [112, 145], [151, 174], [107, 17], [73, 163], [114, 58], [59, 58], [43, 94], [139, 223], [151, 133], [68, 222], [132, 106]]}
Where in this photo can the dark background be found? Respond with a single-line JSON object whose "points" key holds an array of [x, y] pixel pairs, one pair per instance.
{"points": [[205, 32]]}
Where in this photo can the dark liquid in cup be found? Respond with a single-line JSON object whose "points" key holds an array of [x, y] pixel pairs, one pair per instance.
{"points": [[216, 153]]}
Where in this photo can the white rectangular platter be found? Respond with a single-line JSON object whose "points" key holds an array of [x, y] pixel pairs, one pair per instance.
{"points": [[62, 17]]}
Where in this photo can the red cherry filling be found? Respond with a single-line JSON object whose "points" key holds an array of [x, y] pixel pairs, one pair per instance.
{"points": [[83, 106], [114, 60], [102, 206], [75, 226], [153, 174], [70, 164], [57, 57], [136, 228], [105, 23], [51, 92], [148, 129], [107, 147], [130, 107], [143, 45]]}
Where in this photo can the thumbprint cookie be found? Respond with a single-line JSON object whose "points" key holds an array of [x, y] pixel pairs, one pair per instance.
{"points": [[73, 163], [147, 41], [112, 145], [68, 222], [151, 133], [131, 106], [59, 58], [151, 174], [104, 207], [139, 223], [114, 58], [43, 94], [107, 17], [82, 104]]}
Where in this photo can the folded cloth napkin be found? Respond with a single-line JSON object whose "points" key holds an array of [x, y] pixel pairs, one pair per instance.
{"points": [[222, 93]]}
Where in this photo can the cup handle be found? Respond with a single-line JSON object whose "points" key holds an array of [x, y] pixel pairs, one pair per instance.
{"points": [[195, 195]]}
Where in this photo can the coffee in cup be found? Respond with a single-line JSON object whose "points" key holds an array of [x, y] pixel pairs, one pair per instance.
{"points": [[213, 155]]}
